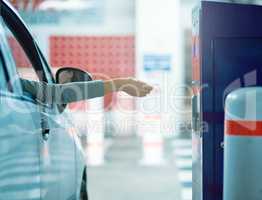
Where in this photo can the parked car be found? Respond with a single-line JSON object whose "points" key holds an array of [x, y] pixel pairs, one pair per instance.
{"points": [[40, 155]]}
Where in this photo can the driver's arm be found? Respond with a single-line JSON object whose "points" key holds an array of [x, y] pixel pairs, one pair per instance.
{"points": [[76, 91], [63, 93]]}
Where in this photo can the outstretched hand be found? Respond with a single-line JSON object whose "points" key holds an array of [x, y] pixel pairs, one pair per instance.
{"points": [[130, 86], [135, 87]]}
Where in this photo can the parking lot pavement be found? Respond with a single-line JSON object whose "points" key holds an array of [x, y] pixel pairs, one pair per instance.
{"points": [[123, 177], [183, 160]]}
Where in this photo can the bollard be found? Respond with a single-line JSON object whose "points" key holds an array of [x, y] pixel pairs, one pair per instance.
{"points": [[152, 140], [95, 136], [150, 128], [243, 145]]}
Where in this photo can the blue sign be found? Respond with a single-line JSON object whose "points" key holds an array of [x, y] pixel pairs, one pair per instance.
{"points": [[153, 62]]}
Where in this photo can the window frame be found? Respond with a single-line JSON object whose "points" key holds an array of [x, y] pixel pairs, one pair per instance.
{"points": [[4, 74], [17, 27]]}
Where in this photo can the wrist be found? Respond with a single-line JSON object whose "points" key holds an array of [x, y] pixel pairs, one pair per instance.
{"points": [[119, 83]]}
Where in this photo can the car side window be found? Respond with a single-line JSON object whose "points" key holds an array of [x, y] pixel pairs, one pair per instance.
{"points": [[23, 65]]}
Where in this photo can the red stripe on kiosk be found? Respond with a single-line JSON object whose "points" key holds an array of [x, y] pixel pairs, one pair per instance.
{"points": [[243, 128]]}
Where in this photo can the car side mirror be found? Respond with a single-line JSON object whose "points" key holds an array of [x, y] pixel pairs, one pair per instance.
{"points": [[69, 75]]}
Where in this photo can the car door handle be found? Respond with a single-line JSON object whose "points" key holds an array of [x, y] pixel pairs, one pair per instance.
{"points": [[45, 133], [45, 127]]}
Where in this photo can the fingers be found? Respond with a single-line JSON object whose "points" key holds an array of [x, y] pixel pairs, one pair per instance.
{"points": [[148, 88], [145, 90], [136, 88]]}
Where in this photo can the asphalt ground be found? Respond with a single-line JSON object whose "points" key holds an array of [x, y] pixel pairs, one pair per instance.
{"points": [[123, 177]]}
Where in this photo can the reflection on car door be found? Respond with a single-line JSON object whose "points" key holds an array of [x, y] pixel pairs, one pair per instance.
{"points": [[19, 145], [58, 153], [41, 167]]}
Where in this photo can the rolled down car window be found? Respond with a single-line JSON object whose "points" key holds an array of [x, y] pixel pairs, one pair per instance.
{"points": [[23, 65]]}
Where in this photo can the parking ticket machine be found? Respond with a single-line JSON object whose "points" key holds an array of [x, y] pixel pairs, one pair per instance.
{"points": [[227, 54]]}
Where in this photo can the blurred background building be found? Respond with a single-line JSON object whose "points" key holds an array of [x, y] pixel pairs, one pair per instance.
{"points": [[135, 148]]}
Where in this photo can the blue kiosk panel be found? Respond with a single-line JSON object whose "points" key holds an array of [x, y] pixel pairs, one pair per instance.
{"points": [[230, 57]]}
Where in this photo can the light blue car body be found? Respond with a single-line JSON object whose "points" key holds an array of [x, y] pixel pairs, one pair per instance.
{"points": [[32, 166]]}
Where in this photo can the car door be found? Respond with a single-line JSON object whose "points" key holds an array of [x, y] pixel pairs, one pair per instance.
{"points": [[59, 173], [20, 136]]}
